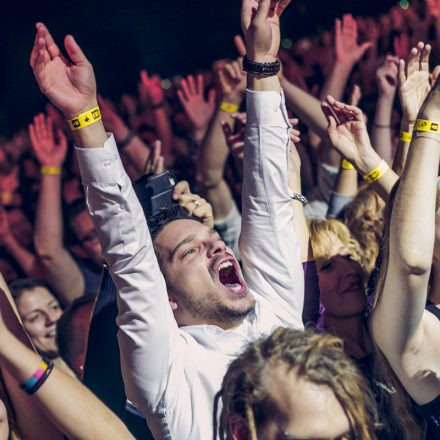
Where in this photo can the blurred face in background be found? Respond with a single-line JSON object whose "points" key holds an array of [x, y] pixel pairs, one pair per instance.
{"points": [[39, 311], [341, 284], [86, 235]]}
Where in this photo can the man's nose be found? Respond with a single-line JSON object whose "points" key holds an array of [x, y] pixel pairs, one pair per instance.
{"points": [[215, 247]]}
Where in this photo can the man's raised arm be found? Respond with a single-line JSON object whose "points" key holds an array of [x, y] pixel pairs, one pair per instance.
{"points": [[269, 244], [147, 325]]}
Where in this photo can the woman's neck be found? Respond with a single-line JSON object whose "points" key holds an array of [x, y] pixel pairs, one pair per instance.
{"points": [[353, 331]]}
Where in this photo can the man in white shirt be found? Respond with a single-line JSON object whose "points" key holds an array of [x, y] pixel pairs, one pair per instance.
{"points": [[187, 310]]}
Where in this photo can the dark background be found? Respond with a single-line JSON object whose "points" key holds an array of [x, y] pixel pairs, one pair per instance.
{"points": [[121, 37]]}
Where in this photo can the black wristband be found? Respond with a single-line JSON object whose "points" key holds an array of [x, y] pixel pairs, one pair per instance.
{"points": [[261, 69], [131, 134], [157, 106]]}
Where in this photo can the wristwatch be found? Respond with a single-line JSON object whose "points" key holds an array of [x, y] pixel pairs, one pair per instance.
{"points": [[261, 69]]}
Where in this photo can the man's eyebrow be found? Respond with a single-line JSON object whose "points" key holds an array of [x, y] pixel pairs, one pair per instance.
{"points": [[186, 240]]}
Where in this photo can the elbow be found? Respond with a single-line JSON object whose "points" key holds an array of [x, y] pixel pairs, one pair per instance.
{"points": [[44, 249], [416, 266]]}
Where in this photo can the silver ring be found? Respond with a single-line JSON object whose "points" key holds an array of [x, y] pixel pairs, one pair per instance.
{"points": [[196, 203]]}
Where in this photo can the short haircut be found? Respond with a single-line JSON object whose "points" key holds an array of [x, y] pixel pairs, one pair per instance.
{"points": [[18, 286], [167, 215]]}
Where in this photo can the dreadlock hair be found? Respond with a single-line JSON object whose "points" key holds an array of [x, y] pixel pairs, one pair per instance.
{"points": [[166, 215], [318, 358]]}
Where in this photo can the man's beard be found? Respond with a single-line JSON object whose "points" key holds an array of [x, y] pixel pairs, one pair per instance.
{"points": [[214, 310]]}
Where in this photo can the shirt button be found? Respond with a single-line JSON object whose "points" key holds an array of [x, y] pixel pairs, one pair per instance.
{"points": [[107, 163]]}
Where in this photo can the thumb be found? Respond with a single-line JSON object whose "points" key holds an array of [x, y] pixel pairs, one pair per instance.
{"points": [[239, 44], [365, 46], [74, 51]]}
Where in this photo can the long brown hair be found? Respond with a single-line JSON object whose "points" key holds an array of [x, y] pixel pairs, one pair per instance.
{"points": [[391, 392], [318, 358]]}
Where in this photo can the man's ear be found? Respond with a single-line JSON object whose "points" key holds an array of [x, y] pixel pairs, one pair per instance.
{"points": [[238, 427]]}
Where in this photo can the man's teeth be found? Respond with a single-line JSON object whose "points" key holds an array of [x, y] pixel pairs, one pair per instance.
{"points": [[225, 265], [235, 287]]}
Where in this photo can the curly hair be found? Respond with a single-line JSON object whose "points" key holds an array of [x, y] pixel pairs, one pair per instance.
{"points": [[364, 217], [317, 358]]}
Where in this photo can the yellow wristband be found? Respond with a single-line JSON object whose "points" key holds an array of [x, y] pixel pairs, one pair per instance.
{"points": [[228, 107], [50, 170], [405, 136], [376, 173], [425, 125], [85, 119], [346, 165]]}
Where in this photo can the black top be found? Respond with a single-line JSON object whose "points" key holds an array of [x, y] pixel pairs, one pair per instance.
{"points": [[430, 412]]}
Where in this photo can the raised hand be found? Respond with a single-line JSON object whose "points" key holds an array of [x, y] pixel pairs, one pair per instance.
{"points": [[69, 84], [260, 21], [48, 150], [150, 90], [198, 109], [347, 49], [235, 141], [155, 161], [386, 76], [414, 82], [348, 132], [193, 203], [8, 186], [232, 80]]}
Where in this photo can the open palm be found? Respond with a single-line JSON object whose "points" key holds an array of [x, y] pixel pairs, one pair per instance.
{"points": [[70, 86]]}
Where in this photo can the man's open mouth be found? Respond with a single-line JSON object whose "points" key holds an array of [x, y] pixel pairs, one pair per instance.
{"points": [[230, 278]]}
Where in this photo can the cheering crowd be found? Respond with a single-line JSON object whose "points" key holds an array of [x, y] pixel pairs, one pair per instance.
{"points": [[290, 289]]}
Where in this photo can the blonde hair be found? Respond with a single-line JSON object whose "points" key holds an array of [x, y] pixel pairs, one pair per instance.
{"points": [[364, 217], [321, 241], [318, 358]]}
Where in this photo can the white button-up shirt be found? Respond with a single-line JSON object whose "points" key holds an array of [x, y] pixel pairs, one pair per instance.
{"points": [[172, 374]]}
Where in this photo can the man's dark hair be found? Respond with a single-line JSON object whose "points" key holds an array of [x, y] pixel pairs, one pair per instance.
{"points": [[69, 341], [167, 215], [18, 286]]}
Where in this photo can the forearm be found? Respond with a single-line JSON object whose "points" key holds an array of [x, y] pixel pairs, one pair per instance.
{"points": [[306, 107], [412, 221], [72, 416], [48, 235], [27, 261], [381, 132], [402, 148], [164, 132], [346, 183], [336, 82]]}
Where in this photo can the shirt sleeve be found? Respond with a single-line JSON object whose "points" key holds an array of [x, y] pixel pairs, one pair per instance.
{"points": [[146, 323], [269, 245]]}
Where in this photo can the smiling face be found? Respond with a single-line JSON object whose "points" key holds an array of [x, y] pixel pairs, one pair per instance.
{"points": [[39, 311], [204, 280], [341, 285]]}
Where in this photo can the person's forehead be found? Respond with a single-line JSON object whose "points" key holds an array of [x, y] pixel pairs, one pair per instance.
{"points": [[35, 297], [177, 230], [309, 409]]}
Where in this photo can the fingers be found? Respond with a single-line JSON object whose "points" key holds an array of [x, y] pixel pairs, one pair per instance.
{"points": [[199, 85], [211, 96], [239, 45], [262, 12], [424, 57], [181, 187], [155, 162], [355, 95], [192, 85], [52, 47], [74, 51]]}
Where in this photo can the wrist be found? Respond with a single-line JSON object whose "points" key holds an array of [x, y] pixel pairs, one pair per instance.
{"points": [[70, 114], [233, 98], [407, 125], [368, 162]]}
